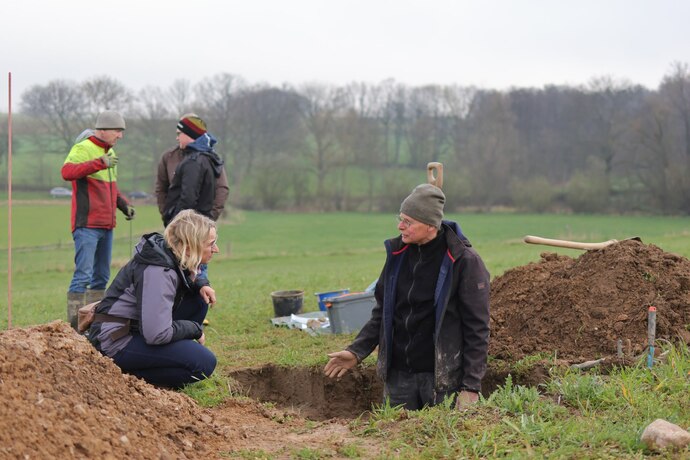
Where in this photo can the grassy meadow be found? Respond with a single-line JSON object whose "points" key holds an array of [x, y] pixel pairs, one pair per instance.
{"points": [[597, 417]]}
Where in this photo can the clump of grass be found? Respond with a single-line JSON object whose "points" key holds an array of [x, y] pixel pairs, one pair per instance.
{"points": [[211, 391], [309, 454], [351, 450]]}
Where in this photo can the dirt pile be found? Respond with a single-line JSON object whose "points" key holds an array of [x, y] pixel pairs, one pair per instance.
{"points": [[579, 308], [59, 398]]}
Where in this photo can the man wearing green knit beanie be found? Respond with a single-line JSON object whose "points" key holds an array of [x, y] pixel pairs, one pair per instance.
{"points": [[431, 319]]}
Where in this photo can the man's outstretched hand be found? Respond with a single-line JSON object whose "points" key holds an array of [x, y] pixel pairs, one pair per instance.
{"points": [[340, 363]]}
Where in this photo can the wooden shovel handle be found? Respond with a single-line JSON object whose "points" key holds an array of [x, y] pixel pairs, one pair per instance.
{"points": [[434, 174], [567, 244]]}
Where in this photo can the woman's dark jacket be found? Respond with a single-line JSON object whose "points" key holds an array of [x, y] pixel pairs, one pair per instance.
{"points": [[146, 291], [461, 300]]}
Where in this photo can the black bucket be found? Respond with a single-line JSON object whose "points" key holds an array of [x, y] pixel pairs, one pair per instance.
{"points": [[286, 303]]}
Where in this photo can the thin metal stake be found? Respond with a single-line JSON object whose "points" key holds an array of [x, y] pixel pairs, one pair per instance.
{"points": [[651, 335], [9, 201]]}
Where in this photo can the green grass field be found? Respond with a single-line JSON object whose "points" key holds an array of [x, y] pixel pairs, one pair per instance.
{"points": [[264, 252]]}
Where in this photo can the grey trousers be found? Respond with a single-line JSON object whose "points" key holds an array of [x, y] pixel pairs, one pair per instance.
{"points": [[412, 390]]}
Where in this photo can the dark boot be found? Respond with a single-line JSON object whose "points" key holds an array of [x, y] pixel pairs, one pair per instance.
{"points": [[94, 295], [75, 300]]}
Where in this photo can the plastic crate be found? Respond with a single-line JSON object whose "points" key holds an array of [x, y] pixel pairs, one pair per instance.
{"points": [[322, 296], [350, 312]]}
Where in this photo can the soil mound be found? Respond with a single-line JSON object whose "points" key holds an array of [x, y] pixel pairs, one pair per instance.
{"points": [[60, 398], [579, 308]]}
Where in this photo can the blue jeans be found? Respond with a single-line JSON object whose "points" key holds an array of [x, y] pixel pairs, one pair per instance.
{"points": [[174, 364], [93, 248]]}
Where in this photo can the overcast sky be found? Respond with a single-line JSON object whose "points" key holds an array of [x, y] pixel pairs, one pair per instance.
{"points": [[486, 43]]}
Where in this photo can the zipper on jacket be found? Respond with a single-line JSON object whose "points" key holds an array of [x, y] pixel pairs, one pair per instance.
{"points": [[409, 315]]}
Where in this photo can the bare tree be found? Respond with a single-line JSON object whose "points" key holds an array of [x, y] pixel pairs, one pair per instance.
{"points": [[675, 88], [458, 100], [359, 136], [611, 100], [491, 139], [60, 108], [427, 125], [675, 91], [106, 93], [153, 133], [392, 116], [319, 109], [265, 122], [654, 159], [215, 96], [180, 96]]}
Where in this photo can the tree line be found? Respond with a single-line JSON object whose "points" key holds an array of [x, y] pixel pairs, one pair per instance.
{"points": [[607, 146]]}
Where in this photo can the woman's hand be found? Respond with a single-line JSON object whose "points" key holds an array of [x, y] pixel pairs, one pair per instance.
{"points": [[208, 294], [202, 339]]}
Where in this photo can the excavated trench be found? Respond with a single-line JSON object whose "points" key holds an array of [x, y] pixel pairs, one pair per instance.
{"points": [[575, 309], [307, 391]]}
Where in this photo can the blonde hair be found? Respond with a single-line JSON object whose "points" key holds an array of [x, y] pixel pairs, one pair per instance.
{"points": [[187, 236]]}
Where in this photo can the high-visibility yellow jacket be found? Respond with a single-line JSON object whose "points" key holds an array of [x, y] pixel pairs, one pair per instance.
{"points": [[95, 195]]}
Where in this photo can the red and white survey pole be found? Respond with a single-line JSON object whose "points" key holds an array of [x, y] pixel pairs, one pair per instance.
{"points": [[9, 200]]}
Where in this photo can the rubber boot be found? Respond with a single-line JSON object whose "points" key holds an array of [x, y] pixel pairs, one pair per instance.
{"points": [[93, 295], [75, 300]]}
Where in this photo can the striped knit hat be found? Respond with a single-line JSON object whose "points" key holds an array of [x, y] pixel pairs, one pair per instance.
{"points": [[192, 126]]}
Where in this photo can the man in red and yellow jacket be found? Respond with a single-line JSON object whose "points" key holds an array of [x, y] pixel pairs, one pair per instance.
{"points": [[91, 165]]}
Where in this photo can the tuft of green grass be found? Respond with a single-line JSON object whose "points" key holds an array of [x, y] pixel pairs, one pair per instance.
{"points": [[351, 450], [309, 454], [210, 392]]}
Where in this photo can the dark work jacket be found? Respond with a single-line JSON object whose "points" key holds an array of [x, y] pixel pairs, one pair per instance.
{"points": [[146, 291], [461, 302], [194, 184]]}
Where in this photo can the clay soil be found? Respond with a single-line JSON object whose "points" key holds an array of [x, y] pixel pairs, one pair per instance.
{"points": [[578, 309], [59, 398]]}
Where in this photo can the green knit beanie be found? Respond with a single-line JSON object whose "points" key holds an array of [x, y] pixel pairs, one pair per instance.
{"points": [[425, 204]]}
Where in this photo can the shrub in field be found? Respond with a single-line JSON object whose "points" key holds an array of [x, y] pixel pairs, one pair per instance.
{"points": [[534, 195]]}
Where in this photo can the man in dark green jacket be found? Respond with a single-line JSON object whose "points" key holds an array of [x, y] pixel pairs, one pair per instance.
{"points": [[431, 319]]}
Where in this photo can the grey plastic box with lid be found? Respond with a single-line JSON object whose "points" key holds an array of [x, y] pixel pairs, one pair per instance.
{"points": [[350, 312]]}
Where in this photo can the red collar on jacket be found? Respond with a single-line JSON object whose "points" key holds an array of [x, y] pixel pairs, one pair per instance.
{"points": [[100, 143]]}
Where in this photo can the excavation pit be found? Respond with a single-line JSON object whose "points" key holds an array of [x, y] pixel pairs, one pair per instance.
{"points": [[310, 394]]}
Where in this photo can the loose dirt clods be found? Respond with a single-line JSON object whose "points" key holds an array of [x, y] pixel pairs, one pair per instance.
{"points": [[577, 309], [59, 398]]}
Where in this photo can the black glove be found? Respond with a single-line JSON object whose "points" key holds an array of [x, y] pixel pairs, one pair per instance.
{"points": [[129, 215]]}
